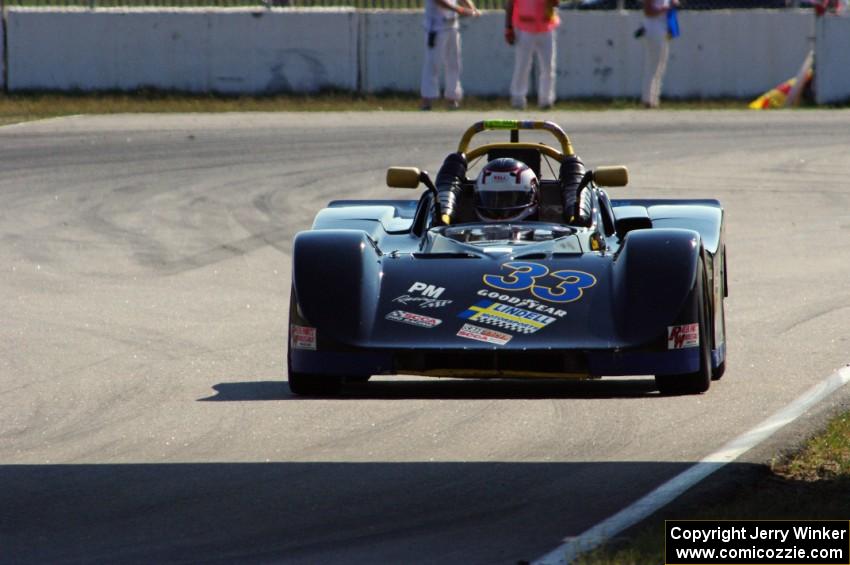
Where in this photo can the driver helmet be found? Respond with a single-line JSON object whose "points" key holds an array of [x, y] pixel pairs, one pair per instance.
{"points": [[506, 190]]}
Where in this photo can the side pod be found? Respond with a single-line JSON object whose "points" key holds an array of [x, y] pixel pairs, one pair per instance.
{"points": [[655, 272], [337, 275]]}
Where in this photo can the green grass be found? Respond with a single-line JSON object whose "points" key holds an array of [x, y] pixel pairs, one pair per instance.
{"points": [[811, 484], [39, 105], [826, 457]]}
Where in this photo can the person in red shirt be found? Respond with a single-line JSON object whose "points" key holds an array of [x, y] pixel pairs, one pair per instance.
{"points": [[530, 25], [831, 6]]}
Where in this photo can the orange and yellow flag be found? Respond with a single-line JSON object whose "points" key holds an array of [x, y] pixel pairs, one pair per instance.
{"points": [[788, 93]]}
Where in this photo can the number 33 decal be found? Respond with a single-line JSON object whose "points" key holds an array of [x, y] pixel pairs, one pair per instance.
{"points": [[525, 276]]}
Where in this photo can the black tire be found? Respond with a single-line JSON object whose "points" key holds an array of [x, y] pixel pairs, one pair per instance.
{"points": [[718, 372], [721, 369], [306, 384], [358, 379], [699, 381]]}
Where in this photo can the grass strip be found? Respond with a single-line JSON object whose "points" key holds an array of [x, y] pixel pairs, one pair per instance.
{"points": [[39, 105], [811, 484]]}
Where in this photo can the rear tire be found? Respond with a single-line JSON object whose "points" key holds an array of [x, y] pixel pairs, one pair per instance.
{"points": [[718, 371], [699, 381], [721, 368]]}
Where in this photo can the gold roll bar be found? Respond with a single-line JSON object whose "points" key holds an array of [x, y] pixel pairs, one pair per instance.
{"points": [[490, 125]]}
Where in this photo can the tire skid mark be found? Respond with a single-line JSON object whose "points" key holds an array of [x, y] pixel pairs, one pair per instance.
{"points": [[811, 316]]}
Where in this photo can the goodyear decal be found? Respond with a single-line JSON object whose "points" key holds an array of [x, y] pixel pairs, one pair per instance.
{"points": [[528, 303], [486, 335], [506, 317], [523, 275]]}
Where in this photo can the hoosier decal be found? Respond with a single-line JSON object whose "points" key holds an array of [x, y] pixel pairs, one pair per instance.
{"points": [[506, 317], [413, 319], [680, 337], [484, 334]]}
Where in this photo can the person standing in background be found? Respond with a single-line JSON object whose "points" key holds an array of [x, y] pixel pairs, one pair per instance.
{"points": [[442, 49], [656, 37], [531, 25]]}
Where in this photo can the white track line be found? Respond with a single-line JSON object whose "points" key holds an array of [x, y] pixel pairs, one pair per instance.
{"points": [[666, 493]]}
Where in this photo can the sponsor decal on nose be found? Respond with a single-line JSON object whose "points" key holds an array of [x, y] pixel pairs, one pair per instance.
{"points": [[429, 290], [413, 319], [302, 337], [506, 317], [681, 337], [423, 295], [470, 331]]}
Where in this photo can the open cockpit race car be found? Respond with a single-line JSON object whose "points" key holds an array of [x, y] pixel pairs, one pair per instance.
{"points": [[585, 287]]}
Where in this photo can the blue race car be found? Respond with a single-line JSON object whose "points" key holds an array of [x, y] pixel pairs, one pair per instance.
{"points": [[509, 274]]}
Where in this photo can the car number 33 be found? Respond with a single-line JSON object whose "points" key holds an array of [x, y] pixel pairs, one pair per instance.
{"points": [[526, 276]]}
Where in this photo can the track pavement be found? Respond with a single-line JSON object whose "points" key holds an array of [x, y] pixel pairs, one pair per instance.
{"points": [[145, 274]]}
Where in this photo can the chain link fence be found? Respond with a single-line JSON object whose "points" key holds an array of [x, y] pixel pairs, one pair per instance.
{"points": [[390, 4]]}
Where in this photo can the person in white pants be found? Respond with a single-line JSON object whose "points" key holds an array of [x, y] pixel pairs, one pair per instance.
{"points": [[531, 26], [442, 49], [657, 42]]}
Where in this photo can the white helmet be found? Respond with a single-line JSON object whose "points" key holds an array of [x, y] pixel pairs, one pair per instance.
{"points": [[506, 190]]}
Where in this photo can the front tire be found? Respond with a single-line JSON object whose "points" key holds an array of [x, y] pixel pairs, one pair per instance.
{"points": [[306, 384], [358, 379], [699, 381]]}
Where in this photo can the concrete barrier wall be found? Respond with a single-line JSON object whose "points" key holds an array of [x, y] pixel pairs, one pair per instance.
{"points": [[832, 76], [739, 53], [195, 51], [735, 54], [395, 44], [719, 54]]}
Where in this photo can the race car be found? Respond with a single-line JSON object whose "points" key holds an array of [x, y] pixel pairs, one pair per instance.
{"points": [[510, 275]]}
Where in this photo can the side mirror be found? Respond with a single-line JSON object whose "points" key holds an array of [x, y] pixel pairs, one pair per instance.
{"points": [[403, 177], [611, 176]]}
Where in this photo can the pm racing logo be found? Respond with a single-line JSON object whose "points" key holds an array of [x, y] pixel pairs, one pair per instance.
{"points": [[506, 317], [423, 295], [523, 275]]}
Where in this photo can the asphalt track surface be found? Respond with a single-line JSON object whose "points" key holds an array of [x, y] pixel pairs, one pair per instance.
{"points": [[145, 274]]}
